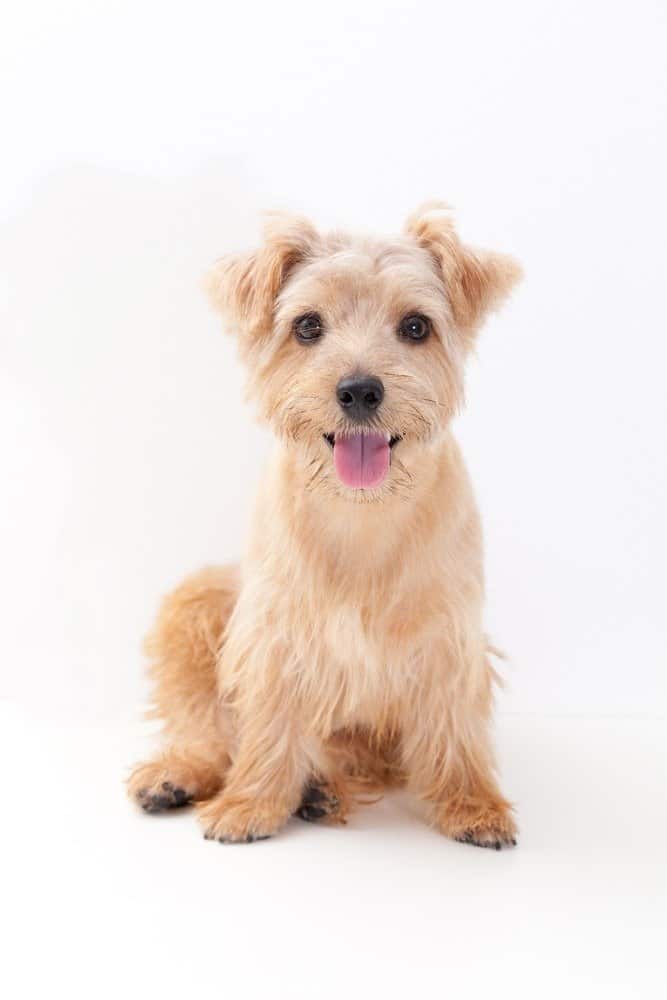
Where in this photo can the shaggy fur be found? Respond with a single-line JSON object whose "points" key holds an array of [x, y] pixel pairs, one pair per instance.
{"points": [[348, 651]]}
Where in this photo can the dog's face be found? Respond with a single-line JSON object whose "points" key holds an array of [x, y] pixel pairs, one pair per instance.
{"points": [[356, 347]]}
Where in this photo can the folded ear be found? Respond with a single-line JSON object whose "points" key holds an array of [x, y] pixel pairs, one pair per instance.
{"points": [[244, 287], [476, 280]]}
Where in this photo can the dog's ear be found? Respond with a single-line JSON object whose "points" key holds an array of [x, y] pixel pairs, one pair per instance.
{"points": [[244, 287], [476, 280]]}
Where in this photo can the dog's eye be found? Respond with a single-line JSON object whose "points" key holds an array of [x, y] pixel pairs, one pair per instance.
{"points": [[414, 327], [308, 327]]}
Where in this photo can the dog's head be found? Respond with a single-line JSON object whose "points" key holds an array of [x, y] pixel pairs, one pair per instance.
{"points": [[355, 347]]}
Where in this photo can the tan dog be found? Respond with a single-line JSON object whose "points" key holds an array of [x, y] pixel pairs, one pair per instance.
{"points": [[348, 651]]}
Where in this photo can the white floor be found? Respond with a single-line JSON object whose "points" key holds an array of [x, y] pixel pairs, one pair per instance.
{"points": [[101, 900]]}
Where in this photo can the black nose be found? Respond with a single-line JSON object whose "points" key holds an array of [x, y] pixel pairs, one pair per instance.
{"points": [[359, 395]]}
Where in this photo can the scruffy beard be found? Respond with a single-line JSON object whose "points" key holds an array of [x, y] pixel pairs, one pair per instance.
{"points": [[315, 456]]}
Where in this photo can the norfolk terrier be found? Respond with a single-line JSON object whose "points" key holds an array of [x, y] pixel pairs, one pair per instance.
{"points": [[347, 652]]}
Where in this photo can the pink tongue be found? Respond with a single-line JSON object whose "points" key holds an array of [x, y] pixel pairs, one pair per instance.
{"points": [[361, 461]]}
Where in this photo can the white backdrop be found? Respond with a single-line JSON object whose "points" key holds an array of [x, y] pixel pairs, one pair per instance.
{"points": [[140, 140]]}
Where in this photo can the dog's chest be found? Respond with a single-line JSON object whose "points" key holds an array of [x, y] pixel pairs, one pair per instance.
{"points": [[348, 638], [364, 647]]}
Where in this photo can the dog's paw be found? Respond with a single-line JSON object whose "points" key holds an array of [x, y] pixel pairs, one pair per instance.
{"points": [[168, 796], [162, 784], [232, 820], [487, 838], [490, 826], [320, 802]]}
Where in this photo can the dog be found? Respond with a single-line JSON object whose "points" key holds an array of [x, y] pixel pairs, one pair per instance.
{"points": [[347, 653]]}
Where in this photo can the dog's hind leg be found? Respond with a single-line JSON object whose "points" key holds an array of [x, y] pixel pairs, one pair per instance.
{"points": [[177, 777], [183, 649]]}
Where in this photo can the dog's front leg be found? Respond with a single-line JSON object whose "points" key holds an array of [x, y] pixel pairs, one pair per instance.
{"points": [[265, 782], [450, 764]]}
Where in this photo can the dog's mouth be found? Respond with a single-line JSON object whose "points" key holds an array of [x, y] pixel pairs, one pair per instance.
{"points": [[362, 460]]}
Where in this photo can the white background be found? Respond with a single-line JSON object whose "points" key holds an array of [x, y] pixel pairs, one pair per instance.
{"points": [[139, 141]]}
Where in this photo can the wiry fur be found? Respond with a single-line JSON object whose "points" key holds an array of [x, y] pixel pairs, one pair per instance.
{"points": [[348, 652]]}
